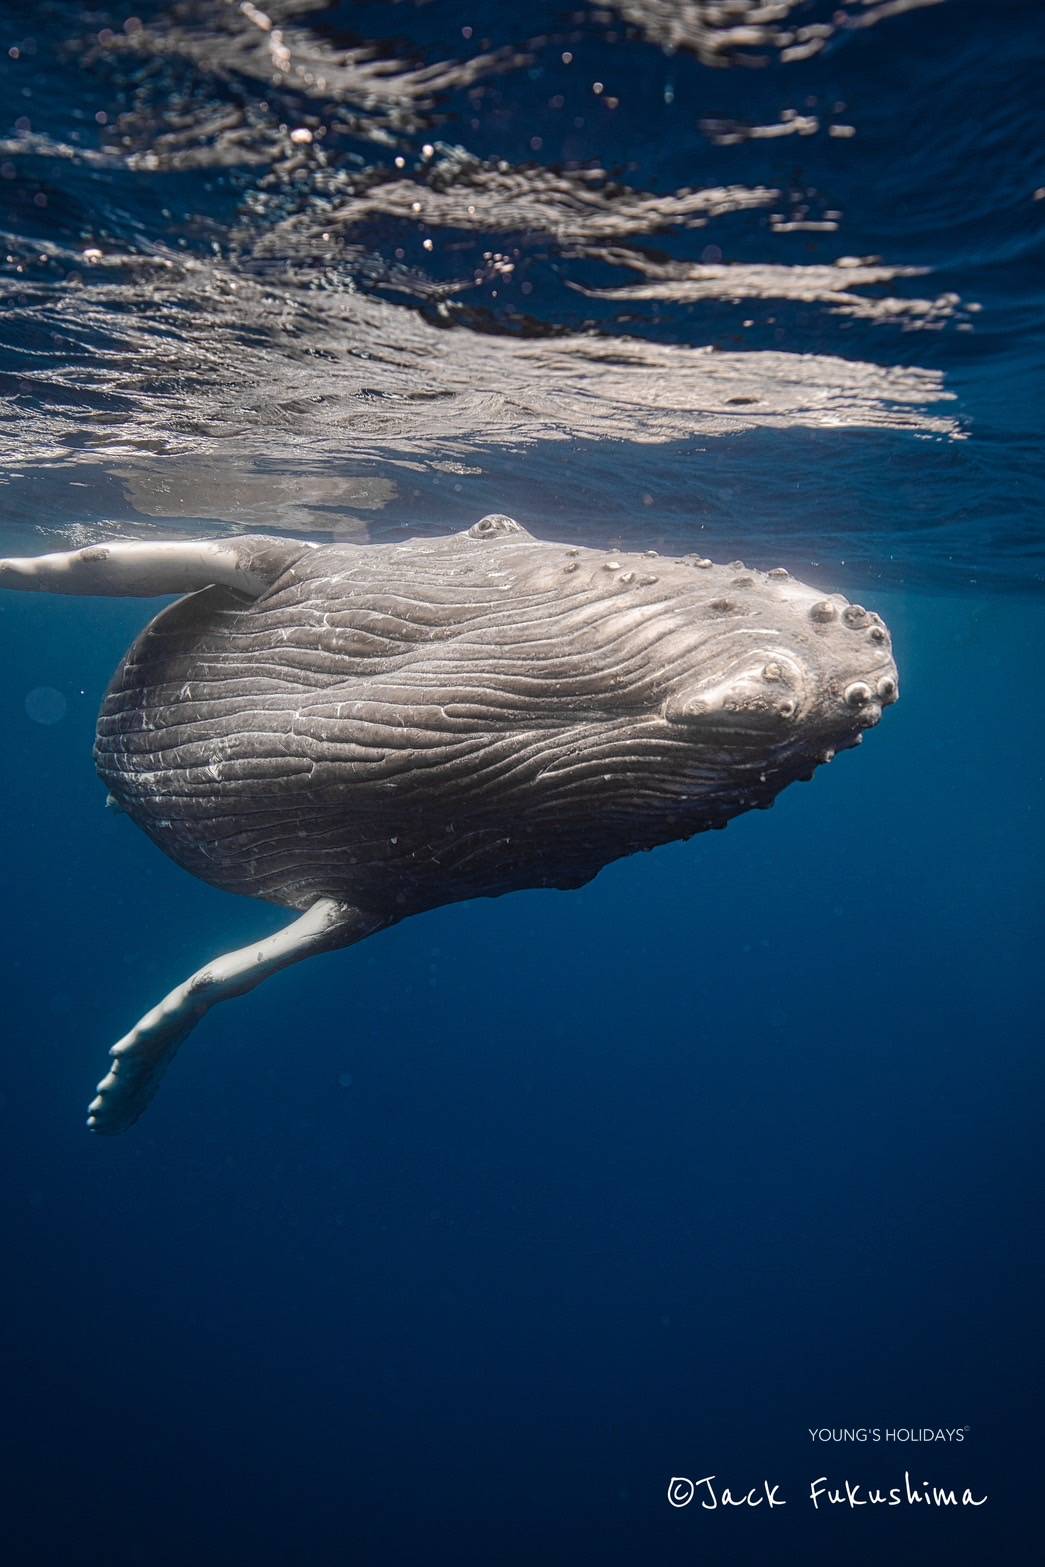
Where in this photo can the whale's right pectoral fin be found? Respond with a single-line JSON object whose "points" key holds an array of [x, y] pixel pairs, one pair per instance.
{"points": [[142, 1056], [248, 564]]}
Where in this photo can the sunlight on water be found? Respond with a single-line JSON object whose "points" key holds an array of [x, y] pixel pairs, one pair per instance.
{"points": [[361, 282]]}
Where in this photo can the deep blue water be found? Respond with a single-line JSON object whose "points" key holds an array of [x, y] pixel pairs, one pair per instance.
{"points": [[455, 1246]]}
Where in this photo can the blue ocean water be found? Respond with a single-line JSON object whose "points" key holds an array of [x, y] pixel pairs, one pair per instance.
{"points": [[458, 1245]]}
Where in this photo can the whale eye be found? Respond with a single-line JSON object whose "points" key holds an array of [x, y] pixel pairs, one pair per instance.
{"points": [[741, 702]]}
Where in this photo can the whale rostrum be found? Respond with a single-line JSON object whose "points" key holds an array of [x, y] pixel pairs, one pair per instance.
{"points": [[363, 732]]}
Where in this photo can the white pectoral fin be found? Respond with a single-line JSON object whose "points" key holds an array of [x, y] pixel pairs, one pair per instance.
{"points": [[248, 565], [141, 1057]]}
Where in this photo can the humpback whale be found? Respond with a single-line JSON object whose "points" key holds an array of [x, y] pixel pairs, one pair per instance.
{"points": [[364, 732]]}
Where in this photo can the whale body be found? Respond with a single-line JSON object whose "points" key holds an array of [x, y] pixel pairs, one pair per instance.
{"points": [[361, 733]]}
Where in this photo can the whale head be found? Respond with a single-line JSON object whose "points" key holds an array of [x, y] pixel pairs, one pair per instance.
{"points": [[780, 679]]}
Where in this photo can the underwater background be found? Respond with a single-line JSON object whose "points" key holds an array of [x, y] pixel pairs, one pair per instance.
{"points": [[458, 1245]]}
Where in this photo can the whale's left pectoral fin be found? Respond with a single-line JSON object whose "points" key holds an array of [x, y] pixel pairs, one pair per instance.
{"points": [[141, 1057]]}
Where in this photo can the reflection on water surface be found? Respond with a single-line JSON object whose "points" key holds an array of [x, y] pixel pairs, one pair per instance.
{"points": [[637, 272]]}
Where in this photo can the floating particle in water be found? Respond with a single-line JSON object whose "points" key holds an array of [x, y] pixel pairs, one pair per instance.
{"points": [[344, 1080], [45, 705]]}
